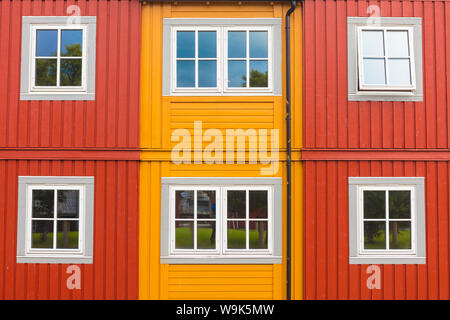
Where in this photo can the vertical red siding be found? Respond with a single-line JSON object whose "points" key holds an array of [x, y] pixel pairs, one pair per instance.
{"points": [[328, 273], [75, 138], [112, 120], [114, 273], [335, 131], [331, 121]]}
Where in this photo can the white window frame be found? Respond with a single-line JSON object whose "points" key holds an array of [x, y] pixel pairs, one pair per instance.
{"points": [[222, 26], [33, 57], [29, 204], [28, 89], [225, 220], [221, 221], [84, 253], [387, 86], [194, 251], [356, 90], [247, 59], [221, 254], [218, 59], [361, 219], [359, 255]]}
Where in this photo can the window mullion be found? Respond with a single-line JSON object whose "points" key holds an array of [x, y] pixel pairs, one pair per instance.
{"points": [[387, 219], [195, 220], [58, 59], [386, 73], [247, 217], [55, 221], [248, 57], [196, 58]]}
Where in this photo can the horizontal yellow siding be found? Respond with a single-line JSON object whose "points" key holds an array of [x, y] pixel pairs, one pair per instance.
{"points": [[220, 282], [161, 115]]}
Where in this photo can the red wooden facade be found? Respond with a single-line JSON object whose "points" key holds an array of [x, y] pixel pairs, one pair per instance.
{"points": [[75, 138], [343, 139]]}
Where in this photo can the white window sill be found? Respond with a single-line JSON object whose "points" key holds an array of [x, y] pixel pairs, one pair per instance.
{"points": [[220, 259], [384, 96], [54, 96], [235, 93], [391, 259], [73, 259]]}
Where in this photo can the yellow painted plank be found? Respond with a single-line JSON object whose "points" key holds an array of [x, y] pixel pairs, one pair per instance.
{"points": [[220, 288], [220, 295], [160, 115], [212, 274], [200, 280]]}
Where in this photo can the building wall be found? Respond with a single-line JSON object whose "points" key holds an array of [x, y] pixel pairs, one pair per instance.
{"points": [[112, 120], [328, 273], [333, 122], [349, 139], [114, 272], [86, 138], [162, 114]]}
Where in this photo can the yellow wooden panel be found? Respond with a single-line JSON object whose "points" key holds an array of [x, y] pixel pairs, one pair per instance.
{"points": [[233, 295], [200, 280], [160, 115]]}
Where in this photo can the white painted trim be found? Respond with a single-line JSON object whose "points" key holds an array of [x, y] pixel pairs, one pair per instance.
{"points": [[221, 254], [84, 252], [274, 58], [357, 253], [28, 91], [383, 93]]}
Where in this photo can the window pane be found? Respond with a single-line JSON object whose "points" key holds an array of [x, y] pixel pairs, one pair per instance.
{"points": [[236, 208], [206, 235], [207, 44], [236, 235], [258, 44], [71, 43], [399, 204], [374, 235], [67, 237], [258, 74], [186, 74], [70, 72], [374, 204], [68, 203], [237, 74], [45, 72], [397, 44], [258, 235], [399, 235], [42, 234], [374, 71], [206, 204], [185, 44], [237, 44], [184, 204], [372, 44], [184, 235], [43, 203], [399, 72], [258, 204], [46, 43], [207, 74]]}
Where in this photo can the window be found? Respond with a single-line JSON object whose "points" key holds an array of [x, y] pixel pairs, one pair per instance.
{"points": [[222, 56], [385, 59], [387, 220], [55, 220], [219, 220], [58, 59]]}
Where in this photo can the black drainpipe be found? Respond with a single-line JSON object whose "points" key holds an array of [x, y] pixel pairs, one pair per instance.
{"points": [[288, 141]]}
